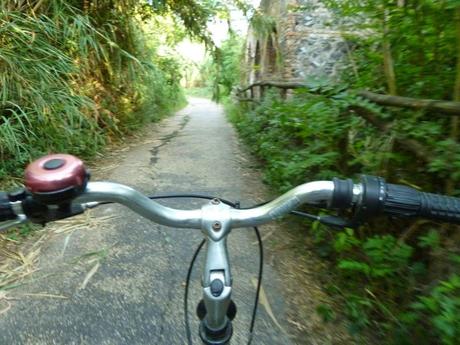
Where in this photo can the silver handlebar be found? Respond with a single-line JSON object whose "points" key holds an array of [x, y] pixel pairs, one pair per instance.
{"points": [[312, 193], [139, 203]]}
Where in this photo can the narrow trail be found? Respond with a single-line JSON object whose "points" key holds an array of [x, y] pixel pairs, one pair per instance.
{"points": [[111, 277]]}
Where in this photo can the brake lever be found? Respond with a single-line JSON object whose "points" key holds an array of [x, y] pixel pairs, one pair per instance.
{"points": [[336, 222], [328, 220]]}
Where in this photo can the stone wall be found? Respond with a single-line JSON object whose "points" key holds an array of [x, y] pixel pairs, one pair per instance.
{"points": [[304, 43]]}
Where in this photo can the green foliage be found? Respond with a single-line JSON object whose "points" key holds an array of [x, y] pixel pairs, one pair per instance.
{"points": [[316, 136], [439, 311], [430, 240], [40, 111], [202, 92], [222, 70], [73, 78], [262, 24], [326, 312], [422, 40], [376, 260], [192, 15], [279, 132]]}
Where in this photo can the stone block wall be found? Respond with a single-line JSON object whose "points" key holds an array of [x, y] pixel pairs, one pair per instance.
{"points": [[305, 43]]}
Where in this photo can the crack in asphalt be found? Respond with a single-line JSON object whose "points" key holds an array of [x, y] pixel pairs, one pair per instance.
{"points": [[167, 139], [153, 160]]}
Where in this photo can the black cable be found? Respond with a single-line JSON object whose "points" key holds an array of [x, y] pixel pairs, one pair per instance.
{"points": [[199, 196], [191, 196], [172, 196], [259, 284], [187, 283]]}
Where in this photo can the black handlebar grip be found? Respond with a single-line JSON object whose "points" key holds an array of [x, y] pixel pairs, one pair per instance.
{"points": [[378, 197], [440, 207], [404, 201], [6, 211], [401, 201]]}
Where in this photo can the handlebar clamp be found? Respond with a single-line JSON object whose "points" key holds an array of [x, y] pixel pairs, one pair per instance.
{"points": [[372, 197], [342, 197]]}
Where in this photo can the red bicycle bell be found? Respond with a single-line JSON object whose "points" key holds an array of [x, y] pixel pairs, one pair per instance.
{"points": [[56, 178]]}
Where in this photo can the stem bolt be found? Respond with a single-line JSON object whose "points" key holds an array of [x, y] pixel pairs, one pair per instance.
{"points": [[216, 226], [215, 201]]}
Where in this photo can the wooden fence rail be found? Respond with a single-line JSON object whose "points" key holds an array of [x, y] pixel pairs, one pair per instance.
{"points": [[443, 107]]}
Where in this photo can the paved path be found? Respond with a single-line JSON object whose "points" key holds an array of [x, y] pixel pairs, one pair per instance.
{"points": [[122, 277]]}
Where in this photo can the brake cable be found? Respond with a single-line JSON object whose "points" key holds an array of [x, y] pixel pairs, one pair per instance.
{"points": [[187, 283], [328, 220]]}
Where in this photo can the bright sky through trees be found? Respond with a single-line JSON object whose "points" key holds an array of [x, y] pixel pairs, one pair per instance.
{"points": [[219, 30]]}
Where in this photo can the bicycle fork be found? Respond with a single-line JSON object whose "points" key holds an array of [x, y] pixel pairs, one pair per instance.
{"points": [[216, 310]]}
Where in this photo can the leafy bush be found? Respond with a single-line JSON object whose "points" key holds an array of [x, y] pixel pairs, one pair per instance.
{"points": [[315, 136], [440, 311], [277, 131], [221, 71], [71, 80]]}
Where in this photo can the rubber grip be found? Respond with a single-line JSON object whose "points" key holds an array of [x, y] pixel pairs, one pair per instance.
{"points": [[403, 201], [440, 207]]}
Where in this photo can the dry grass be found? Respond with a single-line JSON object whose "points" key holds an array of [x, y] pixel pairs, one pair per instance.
{"points": [[20, 259]]}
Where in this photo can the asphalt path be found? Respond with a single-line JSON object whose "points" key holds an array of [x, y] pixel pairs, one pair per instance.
{"points": [[116, 278]]}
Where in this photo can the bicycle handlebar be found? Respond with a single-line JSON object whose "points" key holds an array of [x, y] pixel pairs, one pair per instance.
{"points": [[318, 193], [67, 175], [369, 198]]}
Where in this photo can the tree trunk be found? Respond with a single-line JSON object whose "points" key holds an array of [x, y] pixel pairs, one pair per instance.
{"points": [[456, 94], [388, 64]]}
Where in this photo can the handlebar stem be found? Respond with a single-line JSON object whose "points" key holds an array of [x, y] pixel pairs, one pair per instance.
{"points": [[217, 279]]}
